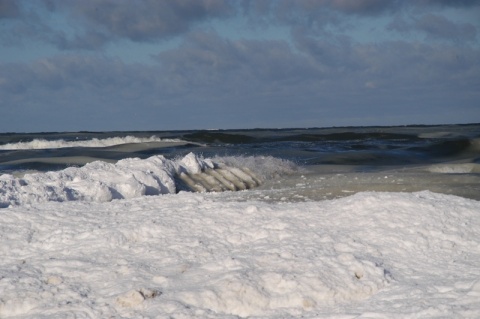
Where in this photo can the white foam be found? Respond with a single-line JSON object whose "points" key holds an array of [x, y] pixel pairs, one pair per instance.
{"points": [[455, 168], [95, 142]]}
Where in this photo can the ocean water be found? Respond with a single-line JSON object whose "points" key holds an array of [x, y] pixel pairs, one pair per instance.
{"points": [[350, 222]]}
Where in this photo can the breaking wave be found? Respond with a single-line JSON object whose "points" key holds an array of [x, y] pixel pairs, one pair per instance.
{"points": [[95, 142]]}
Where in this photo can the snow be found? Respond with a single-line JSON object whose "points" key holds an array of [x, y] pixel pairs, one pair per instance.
{"points": [[214, 255], [133, 177]]}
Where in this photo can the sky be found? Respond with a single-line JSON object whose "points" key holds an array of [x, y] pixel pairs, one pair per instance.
{"points": [[103, 65]]}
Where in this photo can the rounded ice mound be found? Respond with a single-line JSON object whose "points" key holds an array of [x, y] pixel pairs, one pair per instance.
{"points": [[194, 165]]}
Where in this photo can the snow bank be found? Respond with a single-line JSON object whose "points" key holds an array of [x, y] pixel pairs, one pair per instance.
{"points": [[192, 255], [95, 142], [101, 182]]}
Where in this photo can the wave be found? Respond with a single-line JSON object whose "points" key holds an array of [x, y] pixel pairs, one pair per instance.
{"points": [[95, 142], [455, 168], [133, 177]]}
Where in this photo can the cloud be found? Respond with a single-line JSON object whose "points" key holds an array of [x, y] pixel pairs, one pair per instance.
{"points": [[323, 17], [138, 21], [315, 75], [362, 6], [450, 3], [206, 60], [437, 26], [76, 92], [92, 24], [9, 9], [283, 8], [213, 82]]}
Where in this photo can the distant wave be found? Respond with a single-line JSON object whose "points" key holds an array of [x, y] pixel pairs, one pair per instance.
{"points": [[95, 142]]}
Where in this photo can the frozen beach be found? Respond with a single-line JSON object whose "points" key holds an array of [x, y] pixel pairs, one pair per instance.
{"points": [[342, 226], [191, 255]]}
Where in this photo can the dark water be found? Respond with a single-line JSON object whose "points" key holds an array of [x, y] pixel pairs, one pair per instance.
{"points": [[366, 148]]}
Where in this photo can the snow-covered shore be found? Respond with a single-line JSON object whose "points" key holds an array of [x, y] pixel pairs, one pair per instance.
{"points": [[187, 255]]}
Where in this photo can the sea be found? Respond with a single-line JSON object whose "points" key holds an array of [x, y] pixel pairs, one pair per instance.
{"points": [[329, 162]]}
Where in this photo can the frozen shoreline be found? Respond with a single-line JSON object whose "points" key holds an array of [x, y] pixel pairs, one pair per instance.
{"points": [[200, 255], [362, 227]]}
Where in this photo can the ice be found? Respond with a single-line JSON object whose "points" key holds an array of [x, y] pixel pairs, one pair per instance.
{"points": [[204, 255], [133, 177]]}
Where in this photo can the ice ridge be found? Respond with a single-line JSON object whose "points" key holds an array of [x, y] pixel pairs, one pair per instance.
{"points": [[133, 177]]}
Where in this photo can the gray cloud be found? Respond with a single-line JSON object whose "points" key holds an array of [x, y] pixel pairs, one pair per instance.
{"points": [[436, 27], [75, 92], [206, 60], [94, 23], [450, 3], [325, 8], [213, 82], [138, 21], [306, 7], [440, 27], [362, 6], [9, 9], [318, 77]]}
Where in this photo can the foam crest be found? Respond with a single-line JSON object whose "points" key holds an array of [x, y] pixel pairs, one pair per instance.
{"points": [[453, 168], [95, 142], [133, 177]]}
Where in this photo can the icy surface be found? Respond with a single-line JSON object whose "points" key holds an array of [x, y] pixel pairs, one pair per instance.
{"points": [[197, 255], [133, 177]]}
